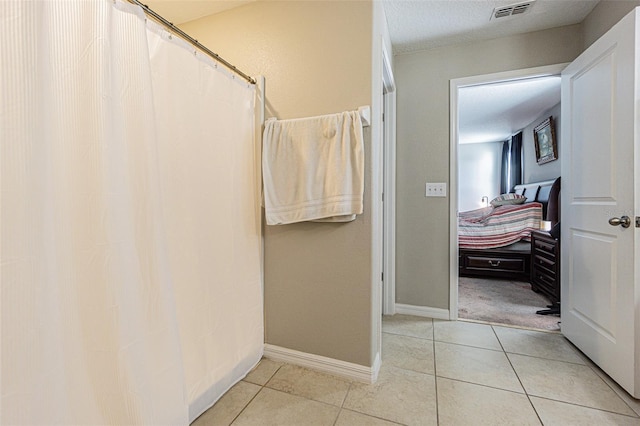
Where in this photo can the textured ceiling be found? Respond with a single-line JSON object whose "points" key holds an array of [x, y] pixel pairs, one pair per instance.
{"points": [[426, 24], [494, 112]]}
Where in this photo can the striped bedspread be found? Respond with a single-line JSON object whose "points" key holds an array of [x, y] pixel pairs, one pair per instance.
{"points": [[498, 227]]}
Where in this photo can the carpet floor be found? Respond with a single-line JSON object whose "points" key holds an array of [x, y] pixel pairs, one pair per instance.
{"points": [[503, 302]]}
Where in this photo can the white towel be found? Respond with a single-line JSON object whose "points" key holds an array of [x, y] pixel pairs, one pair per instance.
{"points": [[313, 168]]}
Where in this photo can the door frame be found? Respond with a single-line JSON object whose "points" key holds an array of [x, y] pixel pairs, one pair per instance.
{"points": [[388, 187], [454, 86]]}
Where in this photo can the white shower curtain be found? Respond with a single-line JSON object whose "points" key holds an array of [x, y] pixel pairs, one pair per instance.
{"points": [[129, 220], [212, 215]]}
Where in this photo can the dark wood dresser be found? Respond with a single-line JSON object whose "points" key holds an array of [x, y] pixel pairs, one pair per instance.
{"points": [[545, 265]]}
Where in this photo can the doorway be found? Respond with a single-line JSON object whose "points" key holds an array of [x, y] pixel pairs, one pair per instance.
{"points": [[486, 111]]}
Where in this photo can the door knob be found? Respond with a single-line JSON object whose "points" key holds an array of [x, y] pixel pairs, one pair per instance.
{"points": [[624, 221]]}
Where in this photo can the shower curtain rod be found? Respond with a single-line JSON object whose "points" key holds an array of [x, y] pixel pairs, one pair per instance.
{"points": [[192, 40]]}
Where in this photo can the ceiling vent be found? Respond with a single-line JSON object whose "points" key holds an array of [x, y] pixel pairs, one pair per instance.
{"points": [[514, 9]]}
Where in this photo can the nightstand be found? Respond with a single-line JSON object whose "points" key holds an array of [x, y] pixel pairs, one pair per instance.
{"points": [[545, 268]]}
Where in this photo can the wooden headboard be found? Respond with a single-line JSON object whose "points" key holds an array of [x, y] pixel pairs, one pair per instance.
{"points": [[546, 193]]}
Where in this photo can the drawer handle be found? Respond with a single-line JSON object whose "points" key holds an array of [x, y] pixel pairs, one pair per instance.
{"points": [[494, 262]]}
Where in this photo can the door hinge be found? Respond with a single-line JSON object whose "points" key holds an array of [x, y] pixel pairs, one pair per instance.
{"points": [[637, 221], [382, 276], [383, 197]]}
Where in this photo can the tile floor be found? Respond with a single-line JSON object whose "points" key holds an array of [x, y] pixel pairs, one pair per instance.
{"points": [[438, 373]]}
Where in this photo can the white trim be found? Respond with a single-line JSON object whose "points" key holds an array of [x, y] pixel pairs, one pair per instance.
{"points": [[422, 311], [389, 187], [522, 74], [375, 368], [336, 367], [261, 94], [454, 87], [387, 73]]}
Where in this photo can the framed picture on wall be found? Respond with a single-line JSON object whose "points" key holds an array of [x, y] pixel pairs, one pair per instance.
{"points": [[544, 135]]}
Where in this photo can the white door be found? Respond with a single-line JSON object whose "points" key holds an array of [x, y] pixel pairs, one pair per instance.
{"points": [[599, 261]]}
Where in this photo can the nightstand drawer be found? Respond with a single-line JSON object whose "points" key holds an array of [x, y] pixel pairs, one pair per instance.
{"points": [[545, 264], [544, 278], [544, 246]]}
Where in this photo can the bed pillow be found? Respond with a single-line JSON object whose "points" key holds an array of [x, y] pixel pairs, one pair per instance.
{"points": [[506, 199]]}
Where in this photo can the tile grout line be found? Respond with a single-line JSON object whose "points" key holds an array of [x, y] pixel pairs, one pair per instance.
{"points": [[512, 326], [633, 413], [471, 346], [602, 410], [435, 370], [339, 407], [588, 364], [547, 359], [608, 381], [518, 376], [346, 395], [406, 335], [254, 396], [342, 403], [482, 385], [598, 372], [604, 377], [409, 370], [374, 417]]}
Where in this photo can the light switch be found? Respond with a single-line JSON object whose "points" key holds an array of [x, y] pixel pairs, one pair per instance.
{"points": [[436, 189]]}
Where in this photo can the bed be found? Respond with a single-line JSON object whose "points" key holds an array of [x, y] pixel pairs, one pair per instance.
{"points": [[494, 242]]}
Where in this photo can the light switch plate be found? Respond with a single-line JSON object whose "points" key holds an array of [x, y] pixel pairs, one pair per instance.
{"points": [[436, 189]]}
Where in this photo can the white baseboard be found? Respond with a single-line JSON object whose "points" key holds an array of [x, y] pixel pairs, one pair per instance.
{"points": [[336, 367], [422, 311], [375, 369]]}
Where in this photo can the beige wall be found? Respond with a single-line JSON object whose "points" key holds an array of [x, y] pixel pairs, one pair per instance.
{"points": [[605, 15], [320, 292], [317, 59], [422, 78]]}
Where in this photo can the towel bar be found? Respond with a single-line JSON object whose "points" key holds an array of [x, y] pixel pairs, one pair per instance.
{"points": [[364, 111]]}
